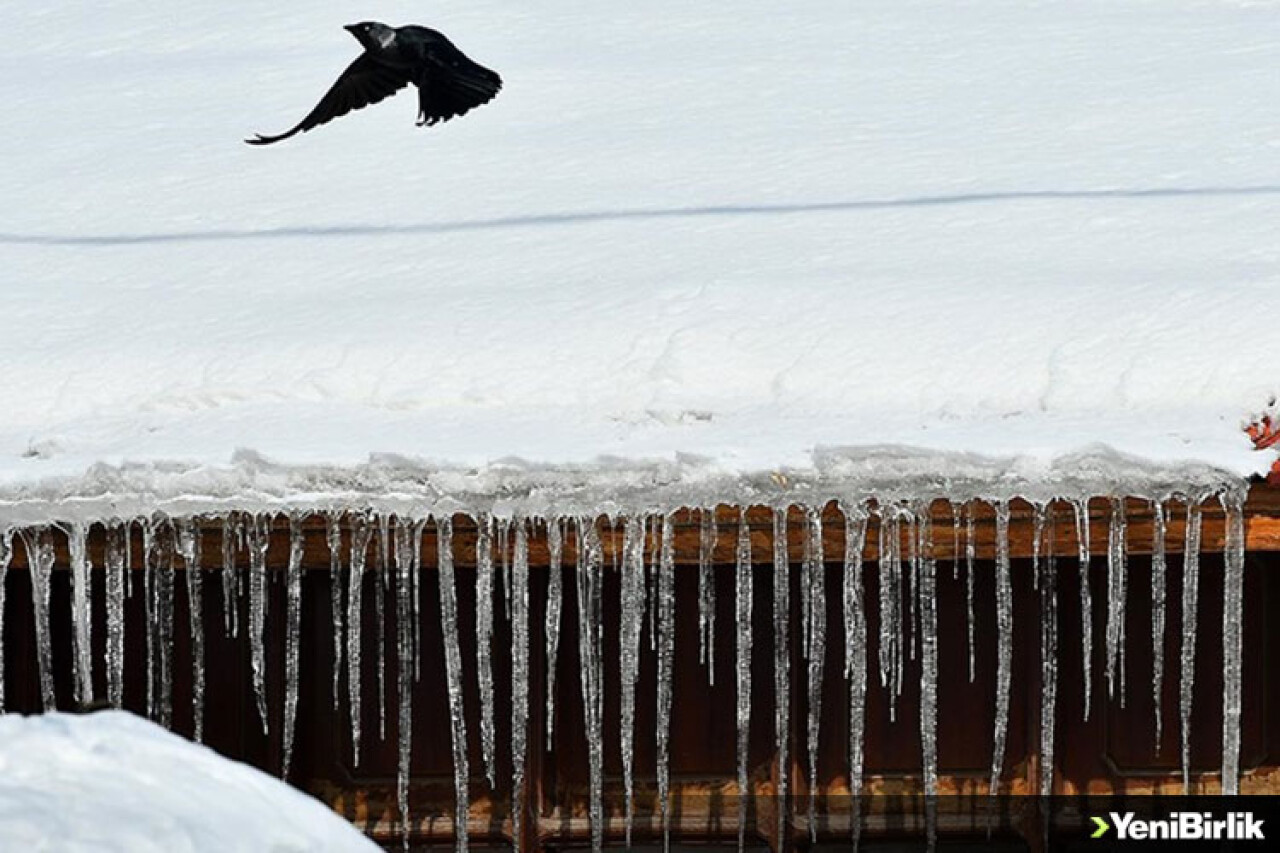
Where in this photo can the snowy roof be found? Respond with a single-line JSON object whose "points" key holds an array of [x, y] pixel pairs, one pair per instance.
{"points": [[722, 240], [111, 781]]}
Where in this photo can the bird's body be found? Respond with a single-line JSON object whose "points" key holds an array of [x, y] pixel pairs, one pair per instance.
{"points": [[449, 84]]}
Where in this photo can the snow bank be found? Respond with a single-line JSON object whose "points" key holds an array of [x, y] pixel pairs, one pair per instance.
{"points": [[112, 781], [738, 233]]}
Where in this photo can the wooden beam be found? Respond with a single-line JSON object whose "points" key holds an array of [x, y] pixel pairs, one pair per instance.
{"points": [[1262, 533]]}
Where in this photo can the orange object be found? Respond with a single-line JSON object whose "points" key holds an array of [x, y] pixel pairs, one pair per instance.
{"points": [[1264, 433]]}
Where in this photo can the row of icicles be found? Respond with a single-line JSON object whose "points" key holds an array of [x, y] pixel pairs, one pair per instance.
{"points": [[907, 599]]}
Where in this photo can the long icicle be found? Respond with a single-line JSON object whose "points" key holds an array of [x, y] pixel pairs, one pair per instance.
{"points": [[6, 554], [293, 635], [590, 563], [150, 568], [1190, 608], [381, 577], [666, 664], [519, 590], [117, 542], [744, 591], [555, 604], [1159, 587], [408, 546], [630, 625], [815, 579], [707, 592], [361, 530], [453, 671], [927, 592], [484, 639], [189, 545], [1047, 568], [40, 555], [81, 615], [782, 665], [855, 642], [164, 587], [1081, 509], [259, 538], [1117, 593], [1232, 640], [1004, 642], [970, 555], [232, 532], [333, 537]]}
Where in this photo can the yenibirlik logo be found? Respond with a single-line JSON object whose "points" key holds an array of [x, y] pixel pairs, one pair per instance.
{"points": [[1180, 826]]}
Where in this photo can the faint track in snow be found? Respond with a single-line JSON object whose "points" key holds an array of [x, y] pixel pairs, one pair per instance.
{"points": [[625, 215]]}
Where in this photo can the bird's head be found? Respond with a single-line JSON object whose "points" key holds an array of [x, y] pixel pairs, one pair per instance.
{"points": [[373, 35]]}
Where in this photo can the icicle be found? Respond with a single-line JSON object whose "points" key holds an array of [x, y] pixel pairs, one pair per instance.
{"points": [[189, 542], [231, 532], [39, 546], [970, 554], [588, 582], [629, 628], [1159, 584], [1081, 509], [1117, 590], [1047, 569], [815, 579], [927, 630], [259, 540], [360, 534], [158, 554], [504, 540], [1232, 640], [165, 583], [855, 643], [555, 604], [519, 591], [453, 667], [890, 651], [655, 532], [912, 625], [781, 663], [707, 592], [292, 637], [81, 616], [1190, 607], [128, 559], [743, 667], [484, 634], [6, 554], [380, 620], [408, 546], [117, 543], [1004, 641], [333, 536], [666, 660]]}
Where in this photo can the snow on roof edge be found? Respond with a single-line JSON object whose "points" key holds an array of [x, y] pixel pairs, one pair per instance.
{"points": [[411, 487]]}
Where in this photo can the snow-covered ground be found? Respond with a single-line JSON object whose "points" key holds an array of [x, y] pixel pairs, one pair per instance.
{"points": [[737, 232], [111, 781]]}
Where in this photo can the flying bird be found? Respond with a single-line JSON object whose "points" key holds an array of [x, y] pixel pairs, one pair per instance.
{"points": [[449, 84]]}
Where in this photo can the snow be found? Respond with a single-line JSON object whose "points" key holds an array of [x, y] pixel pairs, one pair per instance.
{"points": [[110, 781], [739, 233]]}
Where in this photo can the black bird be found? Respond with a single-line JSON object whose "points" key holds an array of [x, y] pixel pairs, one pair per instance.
{"points": [[449, 84]]}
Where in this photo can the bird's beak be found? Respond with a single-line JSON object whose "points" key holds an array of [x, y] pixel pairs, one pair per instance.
{"points": [[351, 28]]}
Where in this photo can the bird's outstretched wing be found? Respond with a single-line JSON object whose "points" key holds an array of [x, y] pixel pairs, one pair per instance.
{"points": [[451, 84], [364, 82]]}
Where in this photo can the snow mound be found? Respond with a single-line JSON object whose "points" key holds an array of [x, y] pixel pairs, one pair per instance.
{"points": [[732, 231], [110, 781]]}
